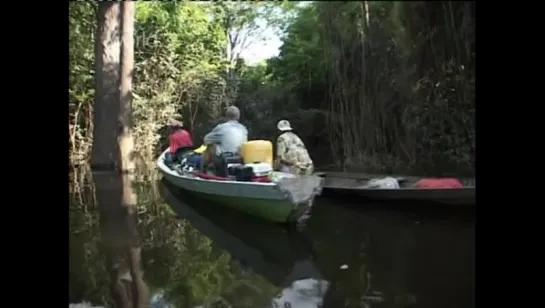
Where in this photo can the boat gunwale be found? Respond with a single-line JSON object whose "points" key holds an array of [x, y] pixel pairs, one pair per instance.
{"points": [[363, 176]]}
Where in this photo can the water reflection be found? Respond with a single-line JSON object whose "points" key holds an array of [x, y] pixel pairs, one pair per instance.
{"points": [[117, 204], [194, 253], [396, 259], [284, 257]]}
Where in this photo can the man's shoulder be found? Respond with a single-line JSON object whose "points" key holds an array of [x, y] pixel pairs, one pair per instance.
{"points": [[235, 124], [244, 127], [220, 125], [282, 137], [289, 136]]}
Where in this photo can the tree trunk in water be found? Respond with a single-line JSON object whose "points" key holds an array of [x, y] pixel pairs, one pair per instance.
{"points": [[104, 153], [125, 138], [118, 223]]}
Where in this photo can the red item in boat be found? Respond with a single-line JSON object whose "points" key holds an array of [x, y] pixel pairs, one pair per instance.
{"points": [[446, 183], [209, 176], [261, 179]]}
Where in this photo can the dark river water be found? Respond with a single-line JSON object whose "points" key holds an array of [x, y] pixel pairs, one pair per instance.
{"points": [[195, 254]]}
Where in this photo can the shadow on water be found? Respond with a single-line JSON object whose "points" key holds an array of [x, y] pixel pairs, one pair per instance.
{"points": [[283, 257], [195, 254], [269, 248]]}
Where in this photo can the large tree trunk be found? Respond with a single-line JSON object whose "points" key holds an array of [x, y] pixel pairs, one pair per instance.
{"points": [[104, 154], [125, 138]]}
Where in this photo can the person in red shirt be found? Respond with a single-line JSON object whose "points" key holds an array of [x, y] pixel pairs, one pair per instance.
{"points": [[179, 139]]}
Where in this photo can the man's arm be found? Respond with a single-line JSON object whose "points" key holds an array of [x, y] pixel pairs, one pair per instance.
{"points": [[214, 136], [246, 131], [171, 142], [280, 149]]}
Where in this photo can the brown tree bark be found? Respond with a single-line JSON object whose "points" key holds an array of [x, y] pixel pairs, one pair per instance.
{"points": [[112, 147], [125, 139], [104, 153]]}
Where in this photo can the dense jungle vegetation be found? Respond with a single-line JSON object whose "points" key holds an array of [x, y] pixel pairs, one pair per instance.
{"points": [[387, 86], [381, 86]]}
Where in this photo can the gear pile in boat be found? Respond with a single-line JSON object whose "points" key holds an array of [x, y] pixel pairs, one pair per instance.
{"points": [[253, 164]]}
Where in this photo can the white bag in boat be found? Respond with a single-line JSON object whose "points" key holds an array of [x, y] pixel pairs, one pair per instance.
{"points": [[260, 169], [385, 183]]}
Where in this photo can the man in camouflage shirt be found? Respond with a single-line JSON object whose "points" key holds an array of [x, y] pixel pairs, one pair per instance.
{"points": [[291, 154]]}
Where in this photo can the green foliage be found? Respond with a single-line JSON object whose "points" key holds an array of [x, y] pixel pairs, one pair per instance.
{"points": [[81, 91], [396, 80], [170, 73], [379, 85], [301, 59]]}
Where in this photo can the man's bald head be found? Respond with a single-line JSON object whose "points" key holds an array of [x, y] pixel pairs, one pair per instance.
{"points": [[232, 113]]}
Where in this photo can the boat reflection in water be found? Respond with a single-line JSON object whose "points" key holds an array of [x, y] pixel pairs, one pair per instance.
{"points": [[285, 257]]}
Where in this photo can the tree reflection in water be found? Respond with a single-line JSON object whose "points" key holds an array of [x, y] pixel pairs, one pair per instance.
{"points": [[117, 206], [182, 267]]}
